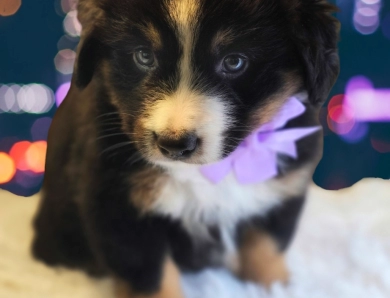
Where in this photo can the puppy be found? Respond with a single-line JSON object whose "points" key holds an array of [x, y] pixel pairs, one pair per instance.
{"points": [[160, 88]]}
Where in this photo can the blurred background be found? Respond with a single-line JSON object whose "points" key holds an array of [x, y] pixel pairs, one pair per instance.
{"points": [[37, 51]]}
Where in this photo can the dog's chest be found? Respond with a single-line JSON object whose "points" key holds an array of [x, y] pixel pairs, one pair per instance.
{"points": [[201, 205], [190, 198]]}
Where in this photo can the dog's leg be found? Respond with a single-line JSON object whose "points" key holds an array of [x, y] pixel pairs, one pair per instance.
{"points": [[263, 243], [59, 238], [132, 245], [170, 285], [261, 260]]}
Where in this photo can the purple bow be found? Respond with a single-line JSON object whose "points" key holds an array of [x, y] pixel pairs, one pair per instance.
{"points": [[255, 159]]}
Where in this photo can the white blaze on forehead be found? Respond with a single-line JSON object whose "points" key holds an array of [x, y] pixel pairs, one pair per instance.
{"points": [[185, 16], [183, 12], [185, 109]]}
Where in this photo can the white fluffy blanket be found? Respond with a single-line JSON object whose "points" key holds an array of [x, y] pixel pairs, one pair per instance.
{"points": [[342, 250]]}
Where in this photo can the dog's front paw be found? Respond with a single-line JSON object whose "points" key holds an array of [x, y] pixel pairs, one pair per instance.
{"points": [[169, 288], [261, 260]]}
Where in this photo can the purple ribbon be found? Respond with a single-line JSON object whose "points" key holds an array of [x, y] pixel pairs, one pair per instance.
{"points": [[255, 159]]}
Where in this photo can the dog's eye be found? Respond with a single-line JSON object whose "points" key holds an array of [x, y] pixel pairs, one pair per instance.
{"points": [[144, 58], [234, 63]]}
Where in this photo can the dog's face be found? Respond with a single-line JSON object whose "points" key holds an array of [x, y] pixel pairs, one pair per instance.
{"points": [[192, 78]]}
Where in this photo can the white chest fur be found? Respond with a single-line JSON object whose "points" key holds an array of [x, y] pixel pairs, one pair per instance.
{"points": [[189, 197]]}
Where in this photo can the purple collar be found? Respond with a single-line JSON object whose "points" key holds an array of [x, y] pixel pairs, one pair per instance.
{"points": [[255, 159]]}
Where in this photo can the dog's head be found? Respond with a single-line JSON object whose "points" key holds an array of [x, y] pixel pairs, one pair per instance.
{"points": [[192, 78]]}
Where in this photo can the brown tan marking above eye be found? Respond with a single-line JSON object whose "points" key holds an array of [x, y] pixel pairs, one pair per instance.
{"points": [[222, 38], [152, 34]]}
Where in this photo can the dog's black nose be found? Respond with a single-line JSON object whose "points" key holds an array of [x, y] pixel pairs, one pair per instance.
{"points": [[178, 148]]}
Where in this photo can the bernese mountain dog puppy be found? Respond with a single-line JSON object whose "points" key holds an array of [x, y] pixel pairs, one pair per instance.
{"points": [[160, 88]]}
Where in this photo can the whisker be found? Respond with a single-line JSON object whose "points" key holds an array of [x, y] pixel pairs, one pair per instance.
{"points": [[113, 129], [109, 129], [106, 114], [127, 114], [116, 152], [132, 160], [114, 121], [116, 146], [114, 113], [114, 134]]}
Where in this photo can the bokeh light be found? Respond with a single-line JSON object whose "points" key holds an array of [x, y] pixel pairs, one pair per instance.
{"points": [[366, 16], [18, 154], [348, 114], [64, 61], [68, 5], [61, 93], [342, 125], [9, 7], [29, 161], [3, 103], [8, 96], [67, 42], [366, 102], [36, 156], [72, 25], [25, 99], [28, 179], [40, 128], [380, 145], [340, 118], [7, 168], [3, 89], [341, 115], [336, 101], [32, 98], [357, 133]]}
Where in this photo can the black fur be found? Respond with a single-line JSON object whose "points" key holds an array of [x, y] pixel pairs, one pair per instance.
{"points": [[280, 222], [314, 34], [88, 60], [87, 218]]}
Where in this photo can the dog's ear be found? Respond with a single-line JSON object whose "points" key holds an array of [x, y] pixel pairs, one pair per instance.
{"points": [[89, 12], [91, 48], [315, 33], [88, 59]]}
